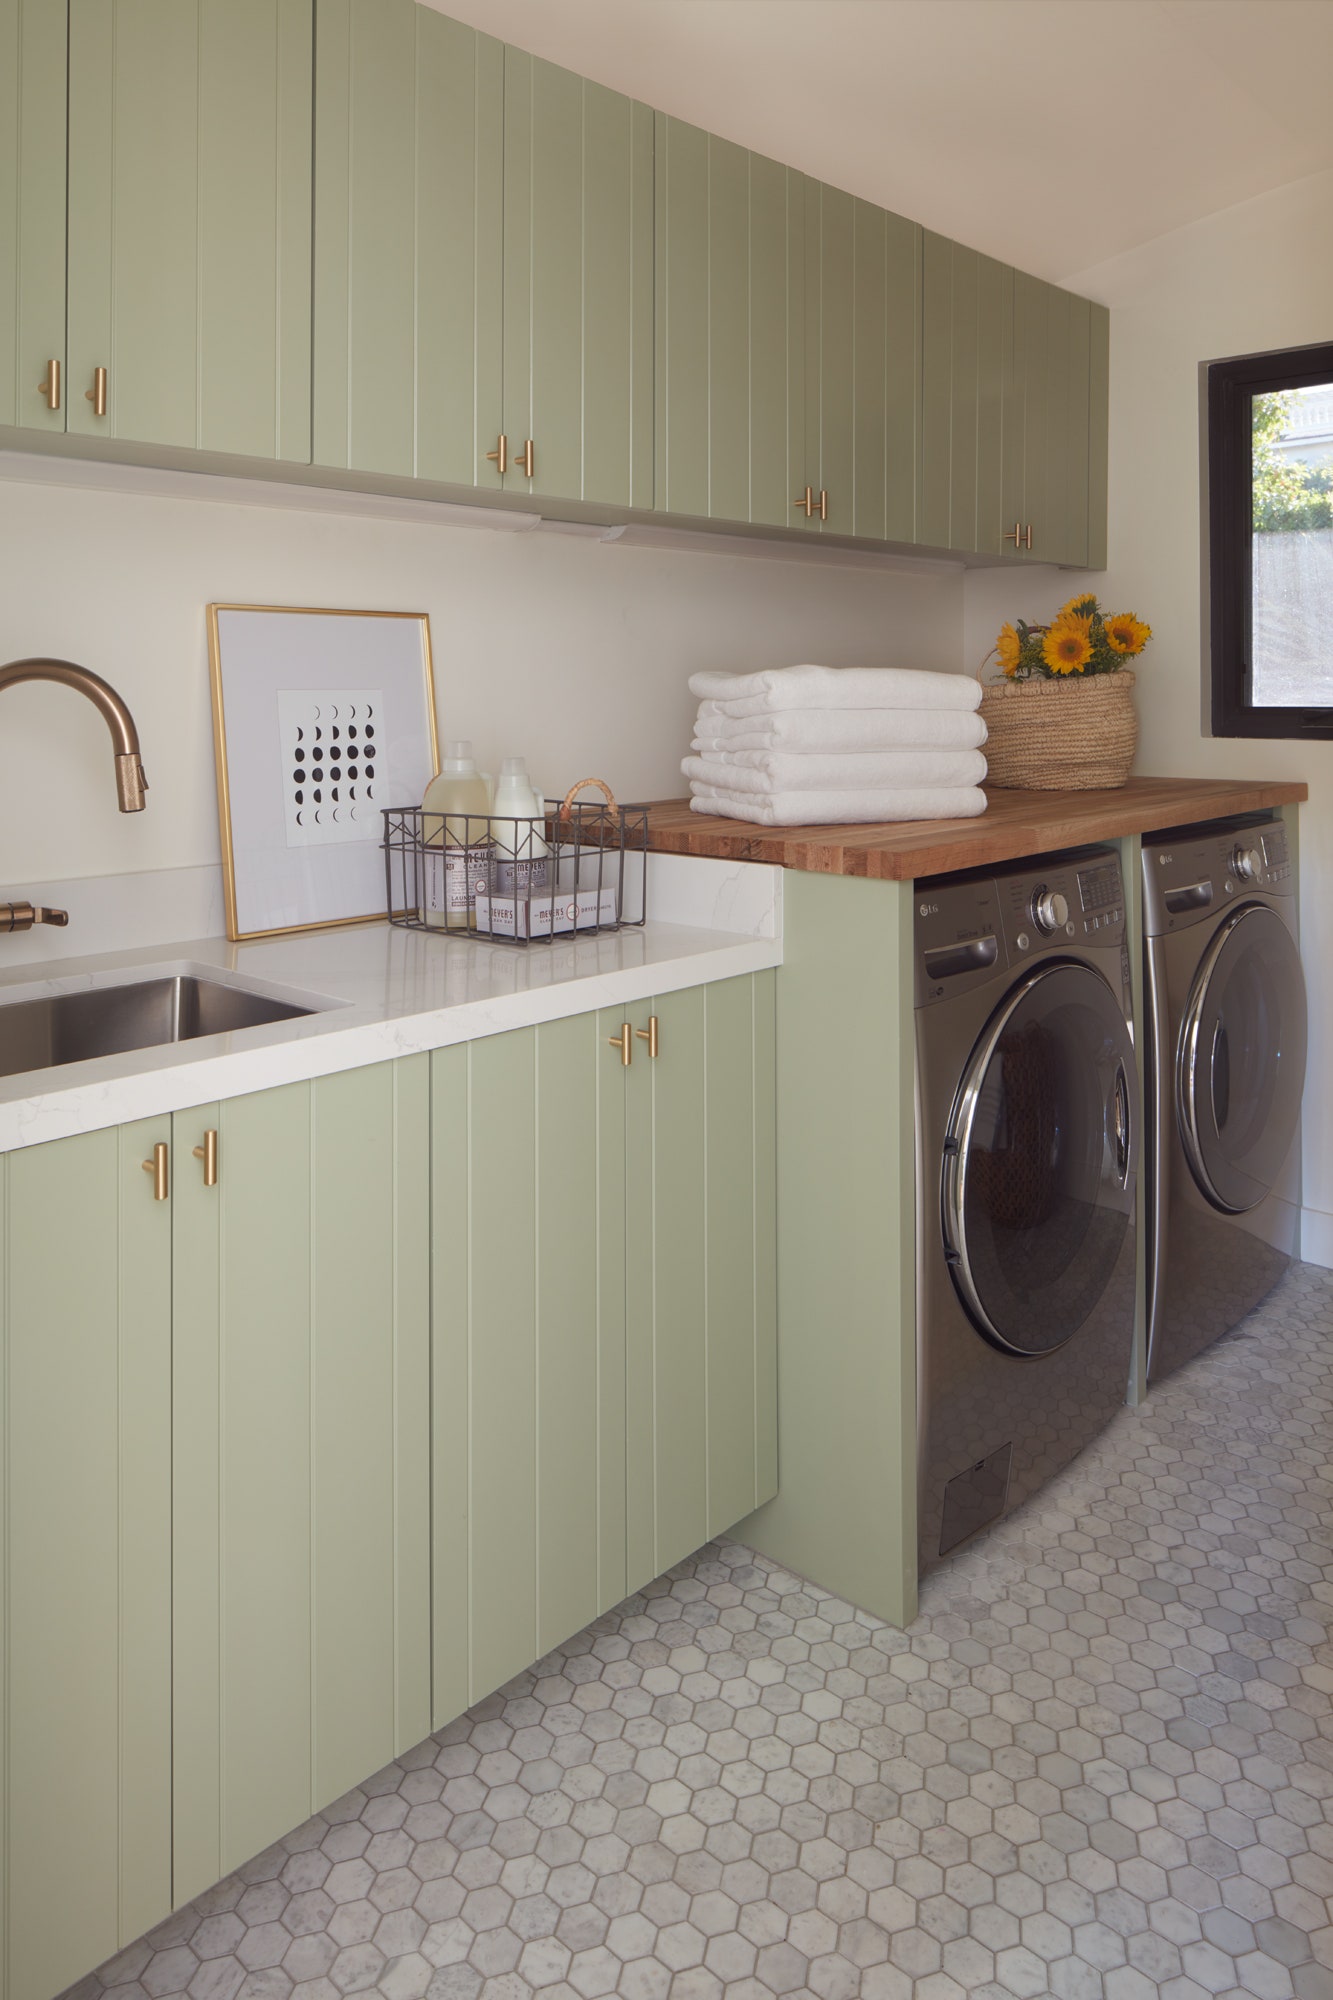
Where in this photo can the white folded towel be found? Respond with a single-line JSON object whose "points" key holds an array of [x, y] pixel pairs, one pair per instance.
{"points": [[842, 808], [859, 729], [765, 771], [837, 687]]}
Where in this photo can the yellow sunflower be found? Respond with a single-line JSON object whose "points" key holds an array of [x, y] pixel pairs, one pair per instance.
{"points": [[1081, 606], [1008, 648], [1067, 647], [1126, 634]]}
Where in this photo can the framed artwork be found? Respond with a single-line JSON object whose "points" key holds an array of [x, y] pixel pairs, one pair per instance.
{"points": [[320, 720]]}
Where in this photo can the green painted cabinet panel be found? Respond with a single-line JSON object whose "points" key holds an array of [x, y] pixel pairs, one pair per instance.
{"points": [[731, 330], [33, 40], [1048, 441], [967, 306], [301, 1484], [189, 223], [700, 1270], [529, 1450], [85, 1597], [578, 285], [409, 150], [862, 351]]}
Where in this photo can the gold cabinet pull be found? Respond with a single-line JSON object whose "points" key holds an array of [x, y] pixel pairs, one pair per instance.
{"points": [[50, 385], [805, 500], [157, 1167], [526, 460], [208, 1153], [823, 504], [624, 1041], [1014, 535], [97, 394], [1028, 542], [501, 454], [649, 1035]]}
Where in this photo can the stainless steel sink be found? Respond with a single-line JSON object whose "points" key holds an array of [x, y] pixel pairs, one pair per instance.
{"points": [[105, 1020]]}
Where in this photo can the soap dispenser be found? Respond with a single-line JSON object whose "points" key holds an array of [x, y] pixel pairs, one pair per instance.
{"points": [[456, 838], [522, 857]]}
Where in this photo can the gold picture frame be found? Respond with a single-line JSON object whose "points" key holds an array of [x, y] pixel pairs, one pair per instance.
{"points": [[263, 876]]}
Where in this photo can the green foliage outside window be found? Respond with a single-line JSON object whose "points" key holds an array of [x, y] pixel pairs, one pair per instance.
{"points": [[1287, 494]]}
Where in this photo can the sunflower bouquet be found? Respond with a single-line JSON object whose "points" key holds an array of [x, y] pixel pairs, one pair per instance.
{"points": [[1080, 639]]}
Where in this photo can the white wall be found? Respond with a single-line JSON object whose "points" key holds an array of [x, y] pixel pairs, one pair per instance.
{"points": [[1253, 277], [570, 652]]}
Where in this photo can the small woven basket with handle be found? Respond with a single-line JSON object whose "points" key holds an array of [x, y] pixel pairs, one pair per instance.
{"points": [[1071, 735]]}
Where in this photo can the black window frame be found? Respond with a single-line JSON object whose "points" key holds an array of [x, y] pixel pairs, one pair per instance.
{"points": [[1231, 385]]}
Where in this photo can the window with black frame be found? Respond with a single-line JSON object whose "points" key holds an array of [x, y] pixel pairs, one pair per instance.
{"points": [[1270, 493]]}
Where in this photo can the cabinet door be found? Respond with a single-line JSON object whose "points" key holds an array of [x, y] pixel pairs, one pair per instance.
{"points": [[701, 1380], [301, 1386], [529, 1387], [966, 364], [1048, 417], [85, 1598], [730, 375], [578, 285], [863, 309], [409, 149], [189, 222], [33, 42]]}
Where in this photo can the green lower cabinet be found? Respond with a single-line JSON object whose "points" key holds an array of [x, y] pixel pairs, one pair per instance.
{"points": [[700, 1263], [301, 1566], [85, 1594]]}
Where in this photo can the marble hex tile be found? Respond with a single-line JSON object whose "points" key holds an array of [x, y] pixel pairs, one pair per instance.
{"points": [[1099, 1766]]}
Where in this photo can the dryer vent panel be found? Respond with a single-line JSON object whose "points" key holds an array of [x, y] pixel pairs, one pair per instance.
{"points": [[975, 1497]]}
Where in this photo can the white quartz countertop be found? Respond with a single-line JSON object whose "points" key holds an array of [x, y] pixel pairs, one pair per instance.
{"points": [[379, 992]]}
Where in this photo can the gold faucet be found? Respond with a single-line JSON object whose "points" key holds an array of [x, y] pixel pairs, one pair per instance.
{"points": [[131, 783]]}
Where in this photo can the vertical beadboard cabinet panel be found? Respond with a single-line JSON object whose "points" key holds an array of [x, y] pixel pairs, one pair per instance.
{"points": [[189, 222], [33, 44], [967, 314], [301, 1560], [85, 1859], [1051, 447], [700, 1270], [529, 1453], [730, 376], [409, 194], [578, 285]]}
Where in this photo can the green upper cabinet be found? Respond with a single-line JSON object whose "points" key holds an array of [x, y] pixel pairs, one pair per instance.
{"points": [[33, 39], [189, 224], [578, 286], [730, 375], [85, 1555], [1013, 411], [409, 164], [862, 293]]}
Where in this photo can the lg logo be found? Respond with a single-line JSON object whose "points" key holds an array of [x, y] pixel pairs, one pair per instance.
{"points": [[929, 910]]}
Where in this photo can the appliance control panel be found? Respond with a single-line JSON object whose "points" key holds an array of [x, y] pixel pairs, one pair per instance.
{"points": [[1191, 877], [969, 929]]}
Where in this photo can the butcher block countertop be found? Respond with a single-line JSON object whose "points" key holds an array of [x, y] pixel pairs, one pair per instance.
{"points": [[1015, 824]]}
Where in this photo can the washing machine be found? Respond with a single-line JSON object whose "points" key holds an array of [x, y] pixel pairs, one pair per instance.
{"points": [[1224, 1055], [1027, 1159]]}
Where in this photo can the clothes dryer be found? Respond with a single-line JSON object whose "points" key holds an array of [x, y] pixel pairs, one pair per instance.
{"points": [[1225, 1049], [1027, 1157]]}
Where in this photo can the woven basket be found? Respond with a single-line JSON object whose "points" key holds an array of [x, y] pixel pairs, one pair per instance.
{"points": [[1061, 735]]}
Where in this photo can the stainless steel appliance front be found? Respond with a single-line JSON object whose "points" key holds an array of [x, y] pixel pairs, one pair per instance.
{"points": [[1225, 1049], [1027, 1159]]}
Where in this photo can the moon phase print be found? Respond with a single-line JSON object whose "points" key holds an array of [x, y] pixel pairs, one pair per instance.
{"points": [[321, 720]]}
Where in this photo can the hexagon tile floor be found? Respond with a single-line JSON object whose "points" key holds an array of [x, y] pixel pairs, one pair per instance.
{"points": [[1099, 1766]]}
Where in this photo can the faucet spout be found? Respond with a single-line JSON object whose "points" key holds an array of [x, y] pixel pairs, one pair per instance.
{"points": [[131, 784]]}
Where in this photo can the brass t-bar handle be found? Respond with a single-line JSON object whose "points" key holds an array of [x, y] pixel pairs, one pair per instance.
{"points": [[624, 1041], [649, 1035], [157, 1167], [208, 1153]]}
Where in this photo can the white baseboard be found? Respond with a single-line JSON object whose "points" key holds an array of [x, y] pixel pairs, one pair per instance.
{"points": [[1317, 1238]]}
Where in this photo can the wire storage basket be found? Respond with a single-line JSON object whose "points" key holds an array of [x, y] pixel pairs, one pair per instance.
{"points": [[582, 869]]}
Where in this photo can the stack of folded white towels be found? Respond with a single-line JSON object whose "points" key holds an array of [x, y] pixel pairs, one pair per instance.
{"points": [[800, 746]]}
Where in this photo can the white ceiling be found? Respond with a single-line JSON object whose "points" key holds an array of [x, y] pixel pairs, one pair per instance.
{"points": [[1052, 133]]}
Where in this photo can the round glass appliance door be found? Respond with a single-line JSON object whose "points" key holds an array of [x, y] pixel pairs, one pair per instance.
{"points": [[1240, 1066], [1039, 1161]]}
